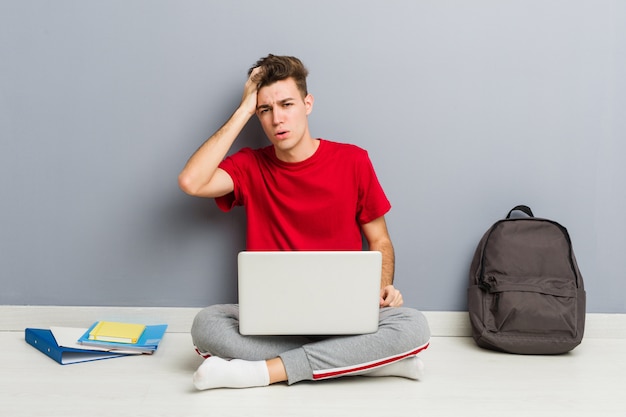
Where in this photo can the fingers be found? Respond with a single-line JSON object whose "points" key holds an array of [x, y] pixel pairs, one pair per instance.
{"points": [[255, 75], [391, 297], [252, 84], [254, 78], [250, 90]]}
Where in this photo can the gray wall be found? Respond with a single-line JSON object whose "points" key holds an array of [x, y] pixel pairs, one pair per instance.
{"points": [[467, 108]]}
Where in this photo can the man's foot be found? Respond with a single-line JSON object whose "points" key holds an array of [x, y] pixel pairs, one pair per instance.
{"points": [[219, 373]]}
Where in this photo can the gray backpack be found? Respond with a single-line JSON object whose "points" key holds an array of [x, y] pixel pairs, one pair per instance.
{"points": [[526, 294]]}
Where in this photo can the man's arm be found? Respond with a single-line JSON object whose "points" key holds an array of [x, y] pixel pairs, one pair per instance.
{"points": [[201, 176], [378, 239]]}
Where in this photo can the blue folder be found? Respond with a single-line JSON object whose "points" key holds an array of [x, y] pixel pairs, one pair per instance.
{"points": [[44, 341]]}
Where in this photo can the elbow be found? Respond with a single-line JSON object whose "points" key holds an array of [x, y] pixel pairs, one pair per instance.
{"points": [[193, 184], [185, 183]]}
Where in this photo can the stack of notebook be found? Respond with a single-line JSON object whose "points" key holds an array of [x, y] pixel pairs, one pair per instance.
{"points": [[103, 340]]}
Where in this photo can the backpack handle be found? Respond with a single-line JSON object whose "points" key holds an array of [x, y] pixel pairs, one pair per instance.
{"points": [[522, 208]]}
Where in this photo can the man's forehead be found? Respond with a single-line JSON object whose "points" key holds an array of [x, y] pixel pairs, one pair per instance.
{"points": [[279, 90]]}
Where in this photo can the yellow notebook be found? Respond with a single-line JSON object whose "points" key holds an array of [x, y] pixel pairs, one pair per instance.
{"points": [[110, 331]]}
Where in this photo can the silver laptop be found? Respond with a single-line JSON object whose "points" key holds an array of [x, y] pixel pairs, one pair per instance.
{"points": [[309, 293]]}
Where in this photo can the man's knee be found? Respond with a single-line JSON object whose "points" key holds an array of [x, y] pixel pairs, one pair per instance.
{"points": [[210, 325], [410, 325], [421, 328]]}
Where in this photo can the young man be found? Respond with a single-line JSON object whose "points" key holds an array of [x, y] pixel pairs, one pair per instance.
{"points": [[300, 193]]}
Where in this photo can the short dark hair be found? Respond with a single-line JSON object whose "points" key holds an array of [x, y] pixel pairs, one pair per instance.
{"points": [[278, 68]]}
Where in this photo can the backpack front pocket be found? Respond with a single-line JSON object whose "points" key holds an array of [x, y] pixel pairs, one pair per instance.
{"points": [[530, 306]]}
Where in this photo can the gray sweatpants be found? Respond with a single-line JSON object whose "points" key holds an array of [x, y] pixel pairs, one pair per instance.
{"points": [[402, 332]]}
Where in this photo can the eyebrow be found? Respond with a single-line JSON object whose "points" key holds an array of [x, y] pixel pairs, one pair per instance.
{"points": [[267, 106]]}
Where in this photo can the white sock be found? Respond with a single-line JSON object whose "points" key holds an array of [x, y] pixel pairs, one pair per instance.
{"points": [[411, 367], [219, 373]]}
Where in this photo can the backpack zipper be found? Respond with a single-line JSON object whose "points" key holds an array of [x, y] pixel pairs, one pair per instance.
{"points": [[486, 285]]}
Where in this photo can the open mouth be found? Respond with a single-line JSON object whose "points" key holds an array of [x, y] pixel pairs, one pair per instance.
{"points": [[282, 134]]}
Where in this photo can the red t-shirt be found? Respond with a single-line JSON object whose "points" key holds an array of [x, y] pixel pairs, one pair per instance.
{"points": [[316, 204]]}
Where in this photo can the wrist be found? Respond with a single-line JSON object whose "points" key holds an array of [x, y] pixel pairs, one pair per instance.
{"points": [[245, 111]]}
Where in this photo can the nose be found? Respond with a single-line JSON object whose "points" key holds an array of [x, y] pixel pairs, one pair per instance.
{"points": [[276, 116]]}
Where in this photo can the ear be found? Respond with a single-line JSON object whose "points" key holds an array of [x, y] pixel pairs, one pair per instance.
{"points": [[308, 103]]}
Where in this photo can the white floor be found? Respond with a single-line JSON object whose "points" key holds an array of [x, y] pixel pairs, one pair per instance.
{"points": [[460, 379]]}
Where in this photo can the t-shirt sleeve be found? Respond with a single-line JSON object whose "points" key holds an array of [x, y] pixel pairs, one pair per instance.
{"points": [[373, 202], [234, 166]]}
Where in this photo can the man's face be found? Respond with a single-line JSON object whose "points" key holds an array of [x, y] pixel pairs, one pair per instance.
{"points": [[283, 112]]}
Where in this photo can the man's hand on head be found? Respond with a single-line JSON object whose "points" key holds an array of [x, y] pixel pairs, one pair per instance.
{"points": [[250, 90]]}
